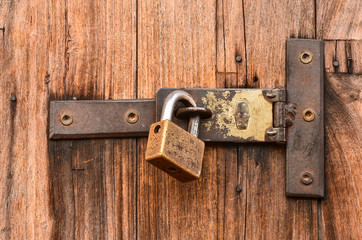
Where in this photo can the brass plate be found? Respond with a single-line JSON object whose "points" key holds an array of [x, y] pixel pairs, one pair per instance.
{"points": [[222, 126]]}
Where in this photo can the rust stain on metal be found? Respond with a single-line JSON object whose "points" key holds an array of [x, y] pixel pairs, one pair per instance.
{"points": [[305, 141], [97, 119], [308, 114], [242, 115], [260, 111], [100, 118]]}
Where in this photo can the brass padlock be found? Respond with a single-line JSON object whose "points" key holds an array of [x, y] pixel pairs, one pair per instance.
{"points": [[171, 148]]}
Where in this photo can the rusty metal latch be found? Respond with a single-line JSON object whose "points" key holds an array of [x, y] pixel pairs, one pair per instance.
{"points": [[229, 115], [293, 116]]}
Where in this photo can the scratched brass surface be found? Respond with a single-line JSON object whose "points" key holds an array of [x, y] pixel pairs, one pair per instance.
{"points": [[175, 151], [260, 114], [223, 103]]}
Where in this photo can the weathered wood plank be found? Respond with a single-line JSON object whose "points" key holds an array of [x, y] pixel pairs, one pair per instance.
{"points": [[232, 191], [345, 54], [339, 19], [24, 50], [269, 213], [340, 212], [103, 189], [176, 48], [268, 25], [97, 191], [231, 72]]}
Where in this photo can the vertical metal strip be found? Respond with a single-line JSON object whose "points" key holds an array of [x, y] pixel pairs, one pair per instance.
{"points": [[305, 140]]}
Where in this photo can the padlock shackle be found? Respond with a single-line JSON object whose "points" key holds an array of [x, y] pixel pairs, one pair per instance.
{"points": [[169, 107]]}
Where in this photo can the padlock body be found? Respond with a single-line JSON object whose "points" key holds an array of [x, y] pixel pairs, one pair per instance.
{"points": [[175, 151]]}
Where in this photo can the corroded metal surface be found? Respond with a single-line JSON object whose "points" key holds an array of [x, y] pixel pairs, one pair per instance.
{"points": [[229, 121], [188, 112], [242, 115], [305, 141], [96, 119], [175, 151], [223, 103]]}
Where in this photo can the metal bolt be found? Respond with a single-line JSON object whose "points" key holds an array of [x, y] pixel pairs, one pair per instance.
{"points": [[271, 95], [132, 117], [238, 58], [335, 63], [272, 132], [306, 57], [306, 178], [13, 98], [238, 188], [349, 64], [66, 119], [75, 98], [288, 122], [308, 115]]}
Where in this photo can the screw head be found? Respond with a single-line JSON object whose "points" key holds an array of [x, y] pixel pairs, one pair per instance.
{"points": [[306, 178], [13, 98], [238, 58], [308, 115], [132, 117], [271, 95], [271, 132], [66, 119], [306, 57], [238, 188], [335, 63]]}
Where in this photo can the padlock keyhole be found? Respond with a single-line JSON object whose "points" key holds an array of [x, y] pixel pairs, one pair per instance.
{"points": [[172, 170], [157, 129]]}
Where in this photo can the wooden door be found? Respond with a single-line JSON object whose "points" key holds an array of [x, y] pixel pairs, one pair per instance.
{"points": [[118, 49]]}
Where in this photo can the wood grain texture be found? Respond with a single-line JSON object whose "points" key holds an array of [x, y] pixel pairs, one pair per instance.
{"points": [[107, 49], [232, 192], [24, 195], [268, 25], [231, 73], [339, 19], [269, 213], [176, 48], [340, 212], [94, 181], [347, 53], [230, 44]]}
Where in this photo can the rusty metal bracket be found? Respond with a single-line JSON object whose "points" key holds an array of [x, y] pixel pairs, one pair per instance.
{"points": [[100, 118], [293, 116], [230, 108], [305, 109], [238, 115]]}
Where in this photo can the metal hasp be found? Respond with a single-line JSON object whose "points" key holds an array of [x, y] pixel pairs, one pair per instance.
{"points": [[305, 139], [293, 116], [100, 118], [238, 115]]}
